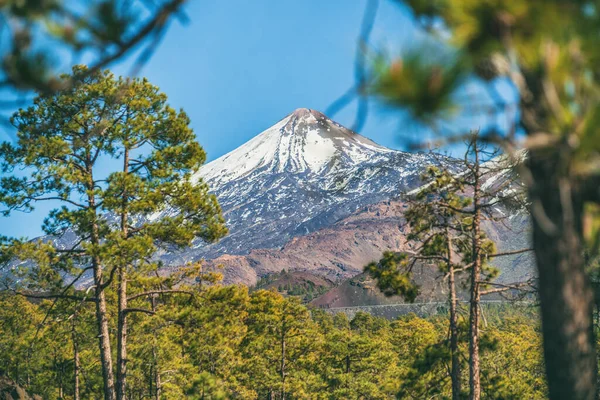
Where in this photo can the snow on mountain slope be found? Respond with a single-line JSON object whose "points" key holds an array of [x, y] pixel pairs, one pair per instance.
{"points": [[304, 173], [306, 141], [294, 197]]}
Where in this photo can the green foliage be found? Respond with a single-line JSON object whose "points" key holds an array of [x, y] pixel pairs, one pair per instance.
{"points": [[64, 137], [515, 351], [392, 276], [428, 85], [546, 48], [148, 198], [41, 32], [223, 342]]}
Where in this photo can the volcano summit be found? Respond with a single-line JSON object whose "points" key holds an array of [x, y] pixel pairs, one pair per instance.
{"points": [[311, 196], [304, 174]]}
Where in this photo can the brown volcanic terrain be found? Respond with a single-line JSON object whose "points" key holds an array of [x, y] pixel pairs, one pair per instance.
{"points": [[312, 198], [337, 253], [361, 290]]}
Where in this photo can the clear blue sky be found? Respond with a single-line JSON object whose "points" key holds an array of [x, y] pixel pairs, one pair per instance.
{"points": [[239, 66]]}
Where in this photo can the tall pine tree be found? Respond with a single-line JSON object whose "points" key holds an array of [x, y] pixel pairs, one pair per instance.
{"points": [[109, 152]]}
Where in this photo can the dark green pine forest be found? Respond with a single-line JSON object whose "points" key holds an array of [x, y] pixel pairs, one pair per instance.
{"points": [[224, 343]]}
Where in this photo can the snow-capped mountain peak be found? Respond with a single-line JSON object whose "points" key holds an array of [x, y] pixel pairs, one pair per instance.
{"points": [[305, 141], [305, 175]]}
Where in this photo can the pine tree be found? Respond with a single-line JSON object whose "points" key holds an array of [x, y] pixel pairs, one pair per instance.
{"points": [[62, 141], [281, 339], [437, 224], [445, 219], [547, 49], [359, 362]]}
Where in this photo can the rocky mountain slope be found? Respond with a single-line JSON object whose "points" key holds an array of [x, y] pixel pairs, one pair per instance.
{"points": [[311, 196], [286, 192]]}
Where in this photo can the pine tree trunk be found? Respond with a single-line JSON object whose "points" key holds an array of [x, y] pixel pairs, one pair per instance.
{"points": [[474, 368], [455, 370], [156, 370], [122, 300], [61, 383], [565, 292], [122, 336], [76, 362], [103, 334], [283, 363], [157, 384], [474, 384], [101, 309]]}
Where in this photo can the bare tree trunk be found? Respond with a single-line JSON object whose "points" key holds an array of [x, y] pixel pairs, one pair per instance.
{"points": [[122, 300], [76, 361], [122, 335], [61, 391], [156, 369], [283, 362], [157, 384], [101, 309], [103, 334], [455, 371], [566, 295], [474, 368]]}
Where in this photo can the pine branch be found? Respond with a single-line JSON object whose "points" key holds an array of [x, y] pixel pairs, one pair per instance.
{"points": [[505, 287], [163, 291], [140, 310], [509, 253]]}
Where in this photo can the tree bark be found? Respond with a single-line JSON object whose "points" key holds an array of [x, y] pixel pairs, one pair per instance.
{"points": [[283, 361], [565, 292], [76, 362], [282, 365], [122, 336], [156, 369], [103, 334], [157, 383], [474, 368], [101, 309], [122, 299], [455, 370]]}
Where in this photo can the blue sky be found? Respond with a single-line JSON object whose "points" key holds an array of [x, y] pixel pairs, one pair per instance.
{"points": [[238, 67]]}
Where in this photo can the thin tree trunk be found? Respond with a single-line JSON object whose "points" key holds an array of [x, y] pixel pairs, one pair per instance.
{"points": [[156, 370], [283, 330], [101, 309], [122, 300], [61, 384], [282, 366], [455, 372], [151, 381], [103, 334], [76, 361], [474, 368], [122, 335], [157, 383], [347, 364], [565, 292]]}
